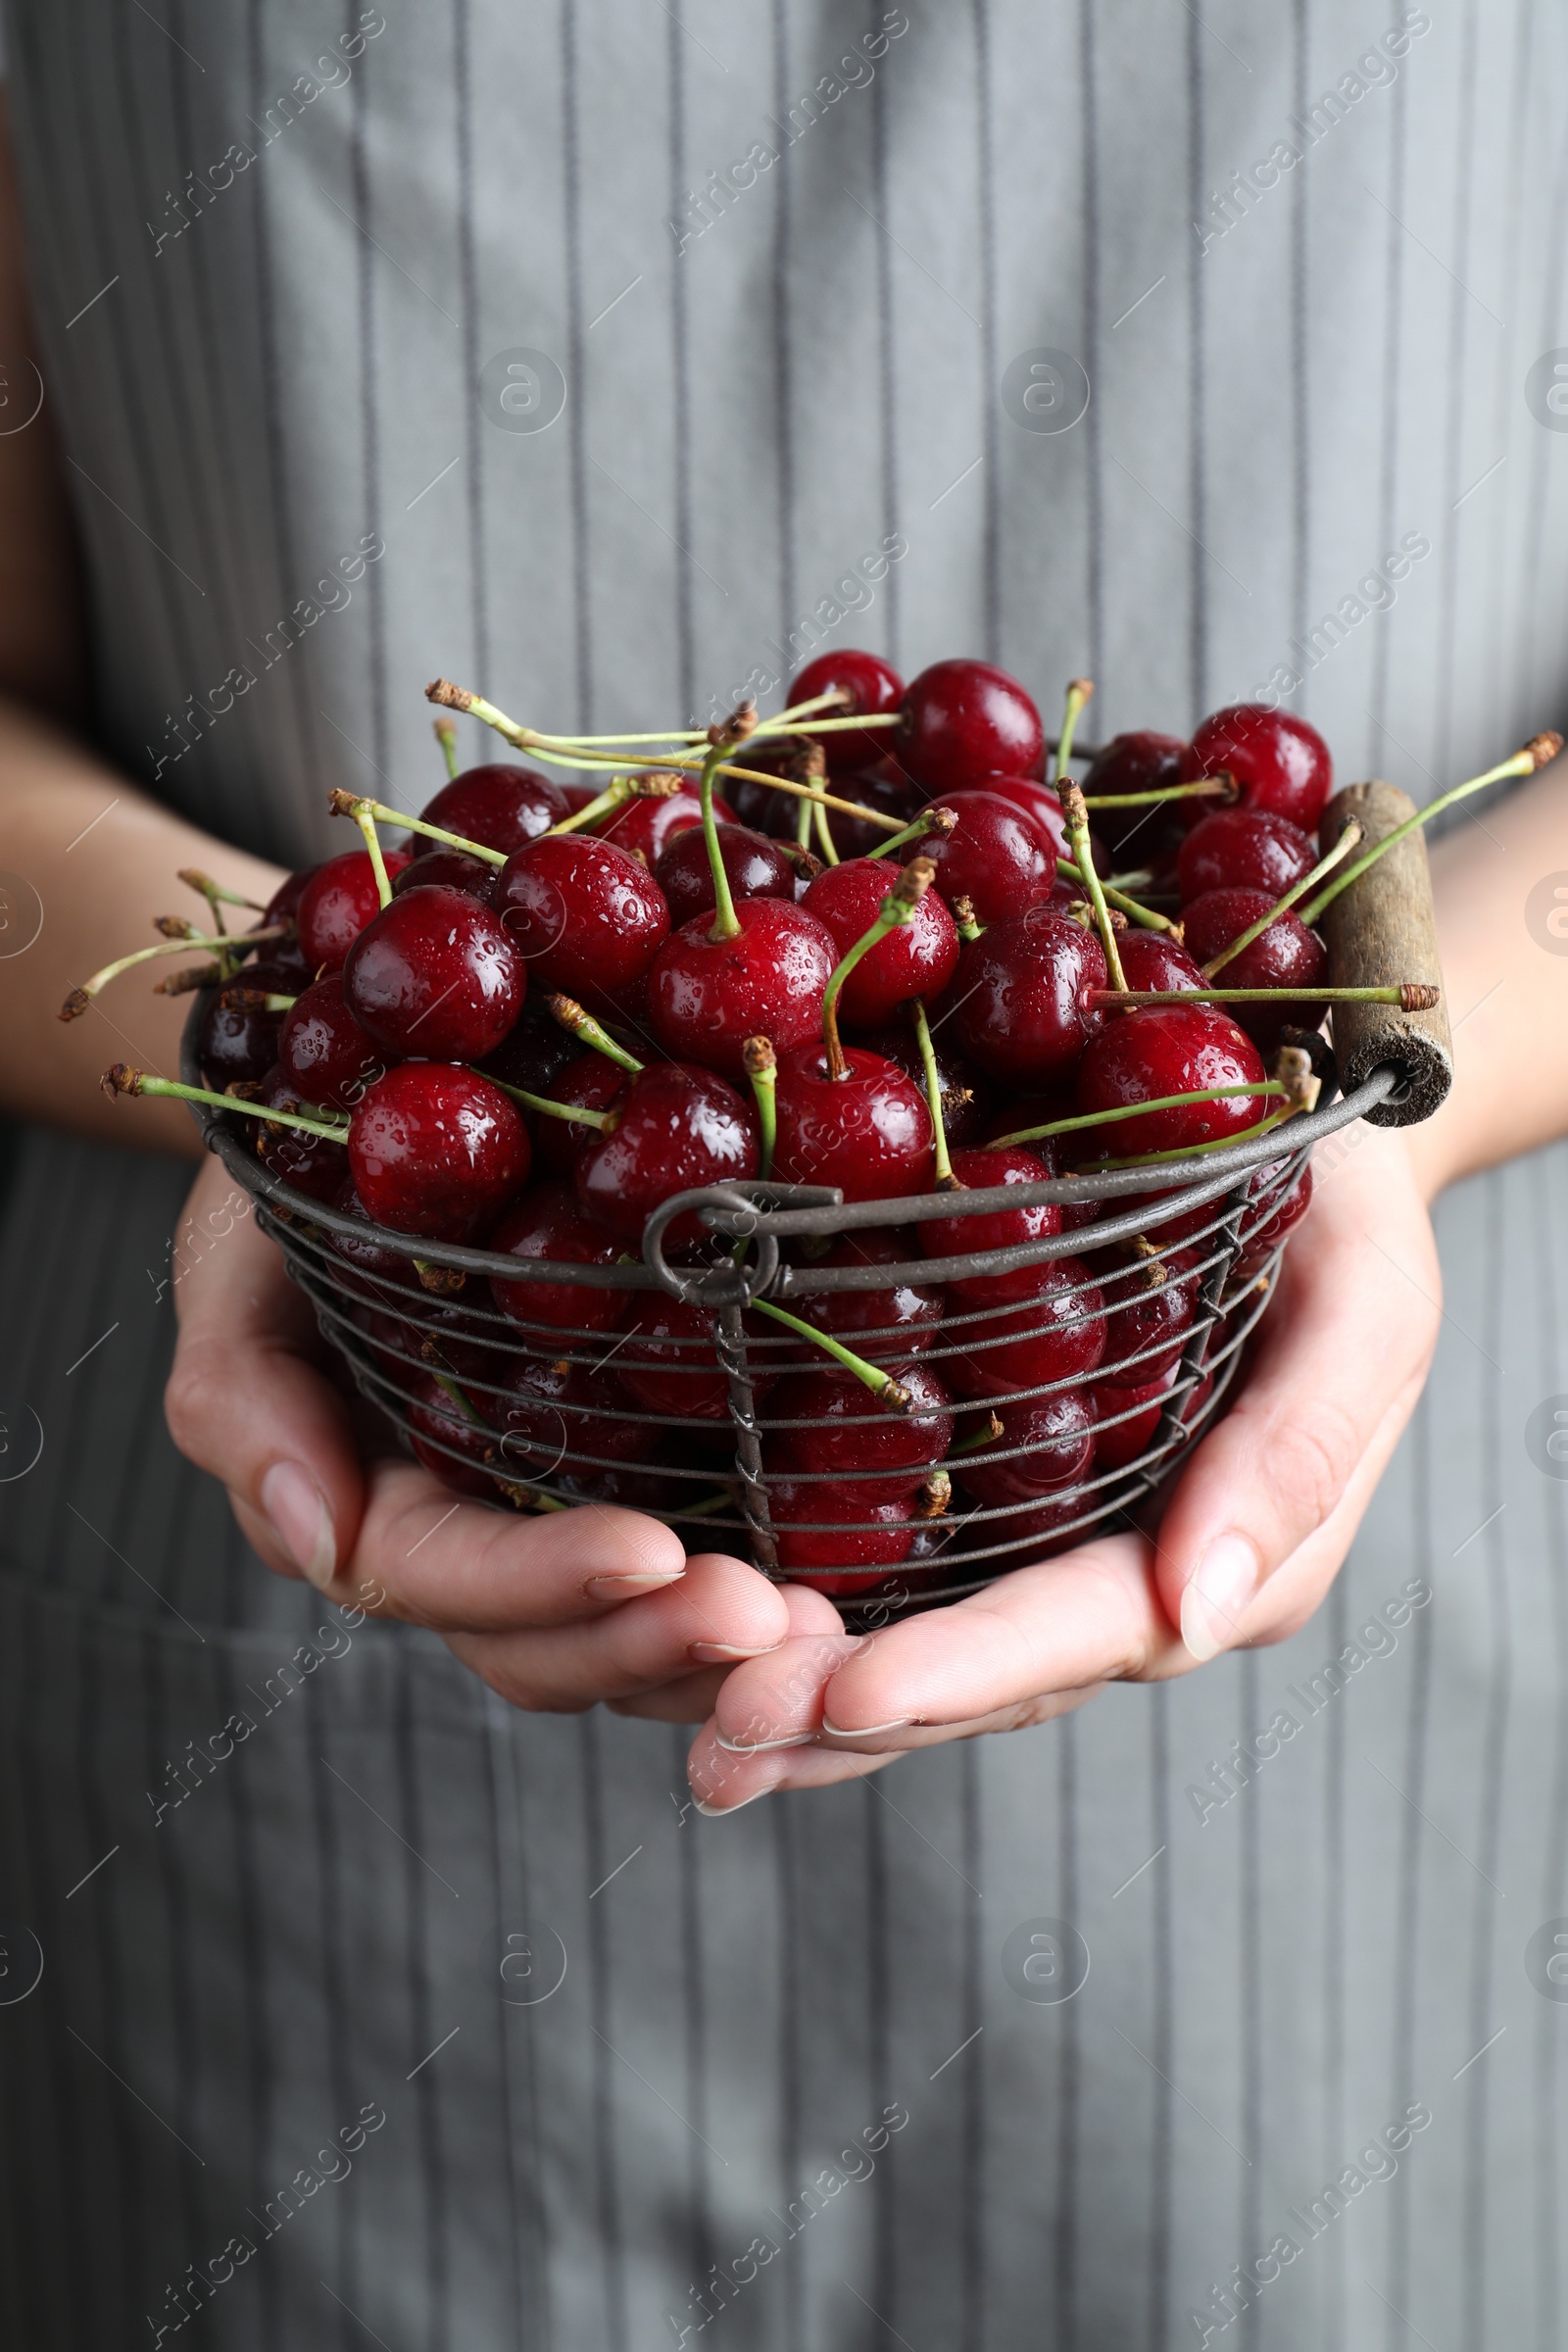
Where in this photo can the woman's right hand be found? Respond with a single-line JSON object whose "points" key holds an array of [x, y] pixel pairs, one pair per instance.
{"points": [[556, 1612]]}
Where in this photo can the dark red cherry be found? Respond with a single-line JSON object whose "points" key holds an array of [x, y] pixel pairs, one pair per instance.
{"points": [[1030, 1532], [585, 918], [454, 1337], [435, 974], [706, 997], [284, 903], [758, 868], [1246, 849], [1152, 960], [1168, 1050], [645, 828], [1276, 1216], [445, 1441], [554, 1415], [875, 1534], [917, 960], [997, 856], [1058, 1336], [1040, 803], [676, 1128], [894, 1321], [872, 685], [1285, 956], [451, 868], [1001, 1229], [546, 1225], [1151, 1305], [380, 1274], [1137, 762], [1017, 997], [885, 788], [310, 1163], [1058, 1433], [500, 806], [1128, 1416], [836, 1425], [1277, 759], [589, 1082], [338, 901], [965, 721], [534, 1052], [965, 1094], [241, 1041], [668, 1361], [437, 1151], [323, 1054], [868, 1132]]}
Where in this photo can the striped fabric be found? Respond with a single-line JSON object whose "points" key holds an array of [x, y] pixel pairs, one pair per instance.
{"points": [[303, 2057]]}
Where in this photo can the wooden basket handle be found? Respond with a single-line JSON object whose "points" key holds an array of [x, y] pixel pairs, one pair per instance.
{"points": [[1382, 930]]}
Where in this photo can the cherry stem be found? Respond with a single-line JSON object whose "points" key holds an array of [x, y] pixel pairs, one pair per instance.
{"points": [[814, 791], [80, 998], [1133, 1111], [372, 843], [990, 1435], [803, 827], [601, 1119], [762, 1068], [964, 916], [446, 735], [893, 1393], [1540, 750], [897, 908], [786, 721], [258, 999], [945, 1181], [349, 804], [1411, 996], [1079, 692], [214, 894], [1353, 832], [930, 820], [726, 923], [1144, 917], [120, 1079], [835, 699], [617, 793], [824, 839], [182, 984], [1077, 816], [582, 1025], [1222, 788], [935, 1495], [1218, 1143]]}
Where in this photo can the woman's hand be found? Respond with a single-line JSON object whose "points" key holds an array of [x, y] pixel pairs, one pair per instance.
{"points": [[555, 1612], [1249, 1543]]}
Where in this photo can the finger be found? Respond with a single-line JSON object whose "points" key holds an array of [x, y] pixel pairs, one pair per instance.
{"points": [[245, 1401], [692, 1698], [719, 1603], [1275, 1491]]}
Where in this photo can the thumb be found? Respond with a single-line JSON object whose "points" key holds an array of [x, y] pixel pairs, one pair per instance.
{"points": [[1264, 1514], [245, 1401]]}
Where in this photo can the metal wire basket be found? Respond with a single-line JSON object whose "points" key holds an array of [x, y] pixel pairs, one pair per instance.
{"points": [[436, 1362]]}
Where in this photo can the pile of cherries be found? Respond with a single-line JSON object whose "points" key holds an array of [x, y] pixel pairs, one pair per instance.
{"points": [[873, 952]]}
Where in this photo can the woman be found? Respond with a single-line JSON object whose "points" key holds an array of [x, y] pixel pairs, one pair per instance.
{"points": [[428, 2007]]}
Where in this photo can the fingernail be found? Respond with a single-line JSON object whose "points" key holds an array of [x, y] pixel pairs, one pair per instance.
{"points": [[863, 1731], [623, 1588], [724, 1653], [758, 1747], [301, 1521], [1223, 1582], [717, 1812]]}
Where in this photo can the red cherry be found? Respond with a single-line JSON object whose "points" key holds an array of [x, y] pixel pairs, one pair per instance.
{"points": [[1019, 995], [670, 1364], [381, 1273], [868, 1132], [848, 1432], [872, 686], [1002, 1228], [1150, 1306], [445, 1441], [1058, 1336], [1128, 1417], [1138, 762], [917, 960], [1058, 1433], [451, 1346], [997, 858], [706, 996], [645, 828], [965, 1094], [323, 1054], [965, 721], [1247, 848], [1152, 960], [879, 1533], [310, 1163], [498, 806], [888, 1323], [1168, 1050], [586, 918], [1285, 956], [758, 868], [437, 975], [437, 1151], [1278, 760], [241, 1041], [676, 1128], [546, 1224], [589, 1082], [553, 1413], [534, 1052], [885, 788], [1056, 1524], [284, 903], [338, 901], [451, 870], [1265, 1227]]}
